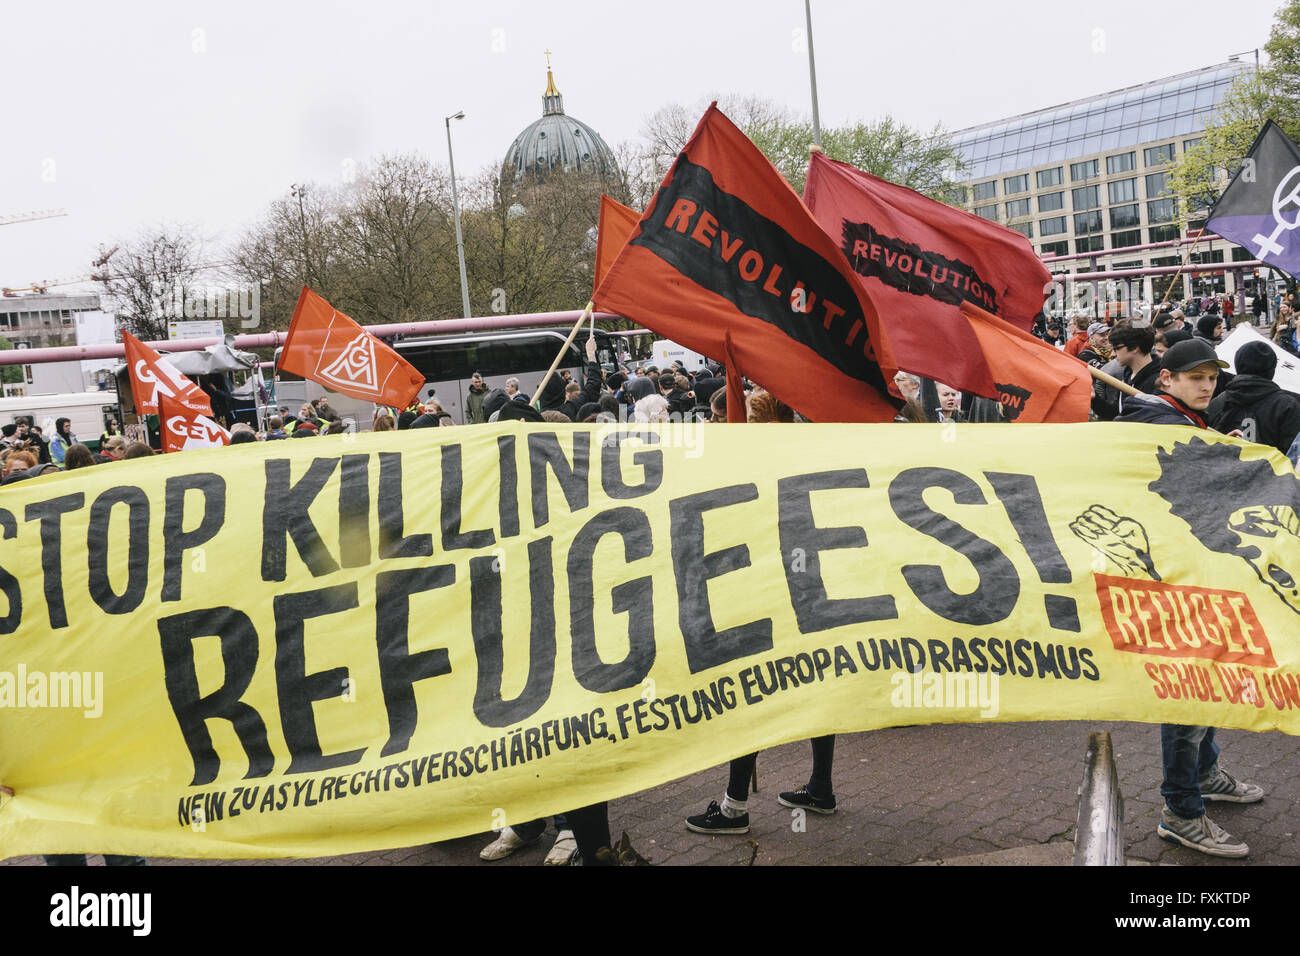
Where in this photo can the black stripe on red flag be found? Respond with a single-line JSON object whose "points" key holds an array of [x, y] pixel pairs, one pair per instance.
{"points": [[722, 244]]}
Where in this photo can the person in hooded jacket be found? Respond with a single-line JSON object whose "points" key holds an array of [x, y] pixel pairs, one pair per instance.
{"points": [[1254, 403], [704, 389], [1210, 328], [637, 389], [495, 401]]}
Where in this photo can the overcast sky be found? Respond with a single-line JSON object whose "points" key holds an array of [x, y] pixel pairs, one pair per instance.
{"points": [[132, 113]]}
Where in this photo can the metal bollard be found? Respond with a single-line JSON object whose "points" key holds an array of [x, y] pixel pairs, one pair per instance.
{"points": [[1099, 839]]}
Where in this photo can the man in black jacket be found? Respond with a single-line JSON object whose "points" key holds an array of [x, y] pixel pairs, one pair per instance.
{"points": [[1254, 403], [1188, 374], [1131, 346]]}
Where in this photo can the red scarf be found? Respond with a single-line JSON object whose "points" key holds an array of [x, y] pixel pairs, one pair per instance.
{"points": [[1197, 420]]}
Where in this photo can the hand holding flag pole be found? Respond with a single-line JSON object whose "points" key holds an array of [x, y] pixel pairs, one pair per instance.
{"points": [[565, 348]]}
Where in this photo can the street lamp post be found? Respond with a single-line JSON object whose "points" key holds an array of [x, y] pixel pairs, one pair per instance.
{"points": [[812, 76], [455, 205]]}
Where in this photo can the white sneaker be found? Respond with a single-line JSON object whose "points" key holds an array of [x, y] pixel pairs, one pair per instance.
{"points": [[1200, 833], [564, 848], [504, 845]]}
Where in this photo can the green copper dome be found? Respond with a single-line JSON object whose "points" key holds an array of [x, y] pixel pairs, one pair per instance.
{"points": [[557, 142]]}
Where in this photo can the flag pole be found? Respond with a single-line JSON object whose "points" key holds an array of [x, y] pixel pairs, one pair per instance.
{"points": [[1112, 381], [565, 348], [1182, 266]]}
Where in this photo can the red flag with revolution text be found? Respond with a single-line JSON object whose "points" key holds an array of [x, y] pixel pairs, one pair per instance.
{"points": [[184, 427], [152, 377], [1035, 382], [327, 347], [920, 260], [728, 246]]}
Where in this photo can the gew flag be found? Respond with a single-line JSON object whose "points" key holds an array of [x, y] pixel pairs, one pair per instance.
{"points": [[1260, 209]]}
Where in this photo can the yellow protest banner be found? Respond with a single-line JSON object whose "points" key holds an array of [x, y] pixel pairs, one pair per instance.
{"points": [[314, 647]]}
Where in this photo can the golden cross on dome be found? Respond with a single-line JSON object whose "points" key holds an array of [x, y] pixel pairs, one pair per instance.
{"points": [[548, 58]]}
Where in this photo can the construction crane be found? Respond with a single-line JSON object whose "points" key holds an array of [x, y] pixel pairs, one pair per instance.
{"points": [[100, 276], [32, 216]]}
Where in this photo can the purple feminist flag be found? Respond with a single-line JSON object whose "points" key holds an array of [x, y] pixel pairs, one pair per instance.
{"points": [[1260, 209]]}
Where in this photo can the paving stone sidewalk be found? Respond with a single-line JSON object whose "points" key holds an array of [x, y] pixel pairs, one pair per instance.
{"points": [[910, 795]]}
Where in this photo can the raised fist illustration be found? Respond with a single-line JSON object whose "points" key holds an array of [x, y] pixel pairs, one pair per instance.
{"points": [[1120, 539]]}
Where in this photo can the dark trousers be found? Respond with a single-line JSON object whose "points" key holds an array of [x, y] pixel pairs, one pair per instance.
{"points": [[819, 784]]}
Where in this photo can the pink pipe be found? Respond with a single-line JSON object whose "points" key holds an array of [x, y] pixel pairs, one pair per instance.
{"points": [[611, 334], [1123, 250], [1191, 269], [76, 353]]}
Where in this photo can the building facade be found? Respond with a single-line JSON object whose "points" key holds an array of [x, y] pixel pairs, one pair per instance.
{"points": [[41, 321], [1090, 176]]}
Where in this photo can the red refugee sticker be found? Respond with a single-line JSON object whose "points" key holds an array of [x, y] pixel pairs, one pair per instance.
{"points": [[1170, 620]]}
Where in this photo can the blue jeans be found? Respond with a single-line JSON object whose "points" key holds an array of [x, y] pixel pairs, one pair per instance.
{"points": [[535, 828], [1189, 755]]}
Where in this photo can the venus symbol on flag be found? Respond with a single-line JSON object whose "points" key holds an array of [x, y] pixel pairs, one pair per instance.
{"points": [[1269, 244]]}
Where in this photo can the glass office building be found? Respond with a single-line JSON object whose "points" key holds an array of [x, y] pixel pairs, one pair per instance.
{"points": [[1089, 176]]}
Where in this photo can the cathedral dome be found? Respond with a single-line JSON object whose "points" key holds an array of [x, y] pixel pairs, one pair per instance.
{"points": [[557, 142]]}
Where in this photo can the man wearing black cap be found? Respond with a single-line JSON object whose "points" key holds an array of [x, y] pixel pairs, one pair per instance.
{"points": [[1254, 403], [1188, 374]]}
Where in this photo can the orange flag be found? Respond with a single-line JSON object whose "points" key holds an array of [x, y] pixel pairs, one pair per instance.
{"points": [[153, 377], [613, 230], [1035, 382], [185, 427], [326, 346]]}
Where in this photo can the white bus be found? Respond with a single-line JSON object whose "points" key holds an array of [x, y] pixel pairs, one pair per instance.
{"points": [[448, 361]]}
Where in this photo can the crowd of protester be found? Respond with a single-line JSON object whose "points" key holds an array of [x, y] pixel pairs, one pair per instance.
{"points": [[1247, 402]]}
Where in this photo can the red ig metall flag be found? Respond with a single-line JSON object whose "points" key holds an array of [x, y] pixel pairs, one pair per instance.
{"points": [[153, 378], [185, 427], [329, 348]]}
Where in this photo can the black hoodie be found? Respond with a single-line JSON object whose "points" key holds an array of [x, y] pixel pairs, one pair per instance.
{"points": [[1259, 408]]}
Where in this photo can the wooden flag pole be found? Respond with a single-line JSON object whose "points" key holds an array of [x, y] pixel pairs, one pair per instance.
{"points": [[1112, 381], [565, 348], [1181, 267]]}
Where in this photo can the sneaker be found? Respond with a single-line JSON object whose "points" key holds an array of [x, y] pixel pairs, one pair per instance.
{"points": [[562, 852], [801, 799], [1201, 833], [712, 820], [1227, 788], [504, 845]]}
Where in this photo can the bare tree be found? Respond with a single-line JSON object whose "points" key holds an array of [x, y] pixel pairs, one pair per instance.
{"points": [[296, 244], [528, 245], [397, 233], [145, 277]]}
